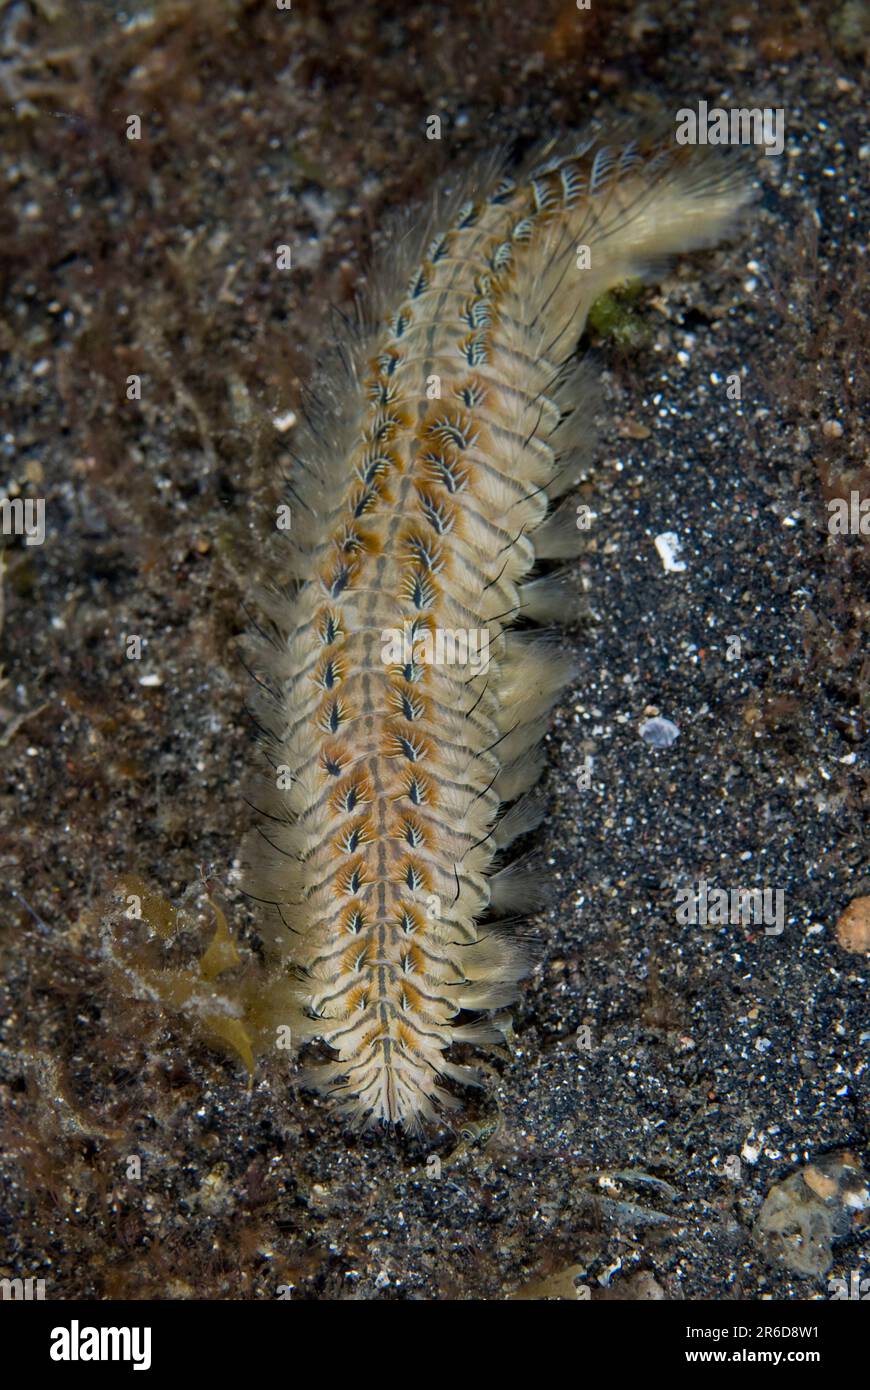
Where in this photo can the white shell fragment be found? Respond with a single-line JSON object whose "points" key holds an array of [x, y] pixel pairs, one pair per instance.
{"points": [[669, 546], [659, 733]]}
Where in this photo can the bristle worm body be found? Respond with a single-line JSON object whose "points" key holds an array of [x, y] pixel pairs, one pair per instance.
{"points": [[430, 487]]}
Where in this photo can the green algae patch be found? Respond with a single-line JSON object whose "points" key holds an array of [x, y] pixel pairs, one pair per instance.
{"points": [[230, 1001], [613, 317]]}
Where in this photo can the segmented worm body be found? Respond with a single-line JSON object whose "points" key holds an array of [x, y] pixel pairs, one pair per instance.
{"points": [[405, 707]]}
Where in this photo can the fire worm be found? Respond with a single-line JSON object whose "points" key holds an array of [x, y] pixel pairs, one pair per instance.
{"points": [[403, 707]]}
